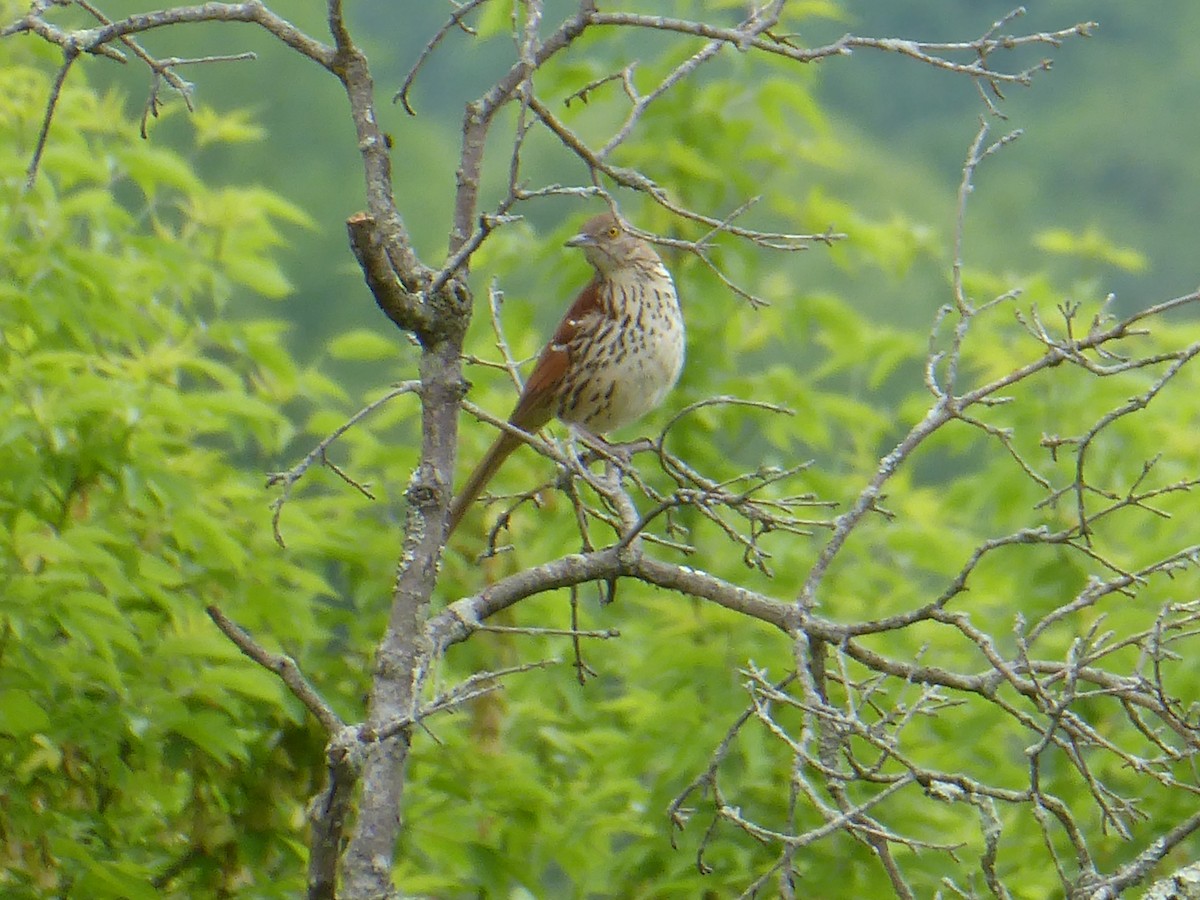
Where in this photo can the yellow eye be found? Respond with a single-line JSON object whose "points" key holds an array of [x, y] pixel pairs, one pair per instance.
{"points": [[613, 231]]}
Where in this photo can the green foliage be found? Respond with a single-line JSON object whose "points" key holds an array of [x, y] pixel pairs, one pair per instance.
{"points": [[226, 127], [141, 754], [1091, 246]]}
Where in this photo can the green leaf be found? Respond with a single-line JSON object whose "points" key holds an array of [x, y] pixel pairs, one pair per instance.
{"points": [[211, 732], [235, 126], [116, 880], [20, 714], [362, 345], [153, 168], [252, 682], [1090, 245], [258, 273]]}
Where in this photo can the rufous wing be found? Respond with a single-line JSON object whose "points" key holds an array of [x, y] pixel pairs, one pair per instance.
{"points": [[536, 405]]}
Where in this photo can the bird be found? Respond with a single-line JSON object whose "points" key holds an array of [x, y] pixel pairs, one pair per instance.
{"points": [[614, 357]]}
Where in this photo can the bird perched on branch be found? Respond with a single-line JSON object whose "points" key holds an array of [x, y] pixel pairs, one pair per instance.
{"points": [[613, 358]]}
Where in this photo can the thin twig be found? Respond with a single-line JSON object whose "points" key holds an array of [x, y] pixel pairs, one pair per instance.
{"points": [[283, 666], [289, 477]]}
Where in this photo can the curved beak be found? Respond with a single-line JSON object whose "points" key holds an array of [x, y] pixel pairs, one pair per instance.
{"points": [[580, 240]]}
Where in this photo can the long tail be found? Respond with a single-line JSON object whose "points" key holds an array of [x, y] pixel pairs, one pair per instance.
{"points": [[505, 444]]}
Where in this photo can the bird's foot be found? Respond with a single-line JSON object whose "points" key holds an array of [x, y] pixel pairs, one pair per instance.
{"points": [[617, 457]]}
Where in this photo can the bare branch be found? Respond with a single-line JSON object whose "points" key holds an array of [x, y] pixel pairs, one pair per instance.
{"points": [[283, 666], [289, 478], [70, 54], [922, 51], [94, 40], [455, 21]]}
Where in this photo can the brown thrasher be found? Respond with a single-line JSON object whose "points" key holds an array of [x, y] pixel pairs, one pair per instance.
{"points": [[613, 357]]}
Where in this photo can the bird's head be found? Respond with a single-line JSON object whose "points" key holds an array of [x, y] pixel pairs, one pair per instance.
{"points": [[609, 246]]}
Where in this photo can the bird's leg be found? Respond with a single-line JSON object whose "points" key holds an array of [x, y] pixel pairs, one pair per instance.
{"points": [[584, 446], [579, 442], [625, 451], [616, 456]]}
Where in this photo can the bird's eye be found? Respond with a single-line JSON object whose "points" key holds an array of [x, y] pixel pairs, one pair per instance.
{"points": [[613, 231]]}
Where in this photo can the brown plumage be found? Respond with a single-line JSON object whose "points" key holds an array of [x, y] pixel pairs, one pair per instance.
{"points": [[613, 358]]}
